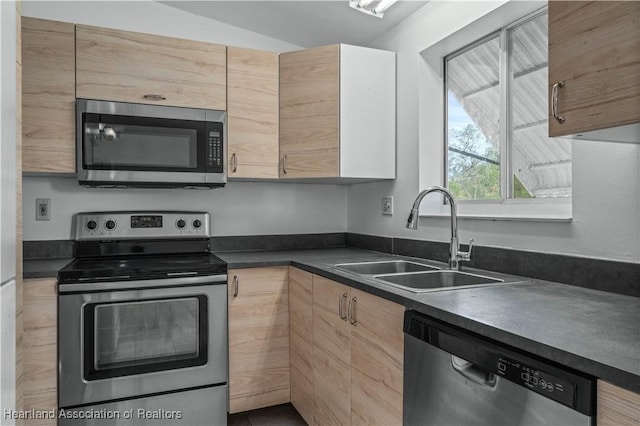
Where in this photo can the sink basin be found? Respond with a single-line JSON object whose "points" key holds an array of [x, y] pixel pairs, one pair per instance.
{"points": [[437, 280], [384, 267]]}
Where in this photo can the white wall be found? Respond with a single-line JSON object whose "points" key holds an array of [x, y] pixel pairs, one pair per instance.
{"points": [[241, 208], [7, 208], [606, 181]]}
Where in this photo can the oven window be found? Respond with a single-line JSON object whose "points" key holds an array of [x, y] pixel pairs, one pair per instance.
{"points": [[115, 142], [135, 337]]}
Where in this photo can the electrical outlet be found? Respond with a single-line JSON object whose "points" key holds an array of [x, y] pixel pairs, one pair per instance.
{"points": [[387, 206], [43, 209]]}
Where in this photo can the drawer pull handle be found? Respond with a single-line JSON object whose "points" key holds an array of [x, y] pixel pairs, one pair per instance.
{"points": [[154, 97], [234, 163], [284, 164], [340, 303], [235, 286], [554, 101], [352, 311]]}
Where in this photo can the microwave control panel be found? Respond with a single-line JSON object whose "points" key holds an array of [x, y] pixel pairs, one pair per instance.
{"points": [[214, 150]]}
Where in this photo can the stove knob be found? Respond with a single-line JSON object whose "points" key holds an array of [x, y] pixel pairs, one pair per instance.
{"points": [[180, 224], [110, 225], [197, 224], [91, 225]]}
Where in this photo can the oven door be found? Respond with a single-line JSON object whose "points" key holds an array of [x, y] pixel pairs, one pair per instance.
{"points": [[121, 344], [137, 145]]}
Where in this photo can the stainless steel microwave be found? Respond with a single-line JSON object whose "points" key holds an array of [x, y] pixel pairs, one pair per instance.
{"points": [[135, 145]]}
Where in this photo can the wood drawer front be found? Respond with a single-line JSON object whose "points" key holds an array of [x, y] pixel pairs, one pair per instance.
{"points": [[48, 96], [594, 47], [125, 66], [258, 338], [252, 90], [617, 406]]}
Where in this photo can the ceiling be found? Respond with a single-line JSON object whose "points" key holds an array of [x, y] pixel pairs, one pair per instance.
{"points": [[303, 23]]}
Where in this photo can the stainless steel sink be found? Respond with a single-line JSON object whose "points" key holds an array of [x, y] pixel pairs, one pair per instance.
{"points": [[385, 267], [437, 280]]}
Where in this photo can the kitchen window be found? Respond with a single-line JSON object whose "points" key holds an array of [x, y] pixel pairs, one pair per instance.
{"points": [[497, 147]]}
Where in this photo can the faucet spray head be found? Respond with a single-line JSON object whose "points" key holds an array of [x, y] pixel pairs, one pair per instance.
{"points": [[412, 220]]}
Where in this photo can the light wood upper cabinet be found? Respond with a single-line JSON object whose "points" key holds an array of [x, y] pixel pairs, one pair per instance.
{"points": [[337, 113], [40, 377], [301, 341], [594, 48], [258, 338], [617, 406], [126, 66], [252, 90], [48, 96]]}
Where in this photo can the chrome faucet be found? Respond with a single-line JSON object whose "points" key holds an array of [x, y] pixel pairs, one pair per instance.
{"points": [[455, 255]]}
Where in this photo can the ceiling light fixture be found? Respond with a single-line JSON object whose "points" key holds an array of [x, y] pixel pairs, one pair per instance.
{"points": [[372, 7]]}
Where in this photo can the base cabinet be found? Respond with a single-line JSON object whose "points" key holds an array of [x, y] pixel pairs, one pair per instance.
{"points": [[258, 305], [617, 406], [301, 341], [40, 377], [355, 352]]}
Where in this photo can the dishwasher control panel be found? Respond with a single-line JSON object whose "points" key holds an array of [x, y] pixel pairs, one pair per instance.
{"points": [[536, 380], [488, 360]]}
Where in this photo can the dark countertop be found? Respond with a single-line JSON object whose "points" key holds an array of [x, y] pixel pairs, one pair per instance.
{"points": [[591, 331], [43, 268]]}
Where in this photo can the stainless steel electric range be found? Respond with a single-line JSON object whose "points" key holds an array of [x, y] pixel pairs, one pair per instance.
{"points": [[142, 337]]}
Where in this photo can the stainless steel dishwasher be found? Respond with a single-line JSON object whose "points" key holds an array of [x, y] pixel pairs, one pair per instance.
{"points": [[455, 378]]}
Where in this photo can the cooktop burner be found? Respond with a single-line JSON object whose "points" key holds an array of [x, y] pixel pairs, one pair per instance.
{"points": [[125, 246], [123, 268]]}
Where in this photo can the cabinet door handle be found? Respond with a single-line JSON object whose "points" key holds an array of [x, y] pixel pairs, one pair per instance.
{"points": [[155, 97], [284, 164], [234, 163], [340, 303], [554, 101], [352, 311], [235, 286]]}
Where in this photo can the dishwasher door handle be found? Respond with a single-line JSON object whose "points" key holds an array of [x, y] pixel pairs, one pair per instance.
{"points": [[472, 372]]}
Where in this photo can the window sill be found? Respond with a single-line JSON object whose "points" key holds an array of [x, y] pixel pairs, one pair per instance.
{"points": [[559, 211], [557, 219]]}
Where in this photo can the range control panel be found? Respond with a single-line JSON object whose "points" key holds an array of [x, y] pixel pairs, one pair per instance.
{"points": [[538, 381], [119, 225]]}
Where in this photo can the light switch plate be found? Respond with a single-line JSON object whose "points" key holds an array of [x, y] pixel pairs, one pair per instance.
{"points": [[43, 209], [387, 206]]}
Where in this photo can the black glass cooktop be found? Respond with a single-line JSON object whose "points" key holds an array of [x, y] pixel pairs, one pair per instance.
{"points": [[140, 267]]}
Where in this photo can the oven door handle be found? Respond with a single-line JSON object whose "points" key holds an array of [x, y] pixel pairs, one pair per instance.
{"points": [[128, 285]]}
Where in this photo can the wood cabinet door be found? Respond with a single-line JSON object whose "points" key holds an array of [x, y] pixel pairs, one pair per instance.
{"points": [[252, 107], [377, 358], [617, 406], [594, 47], [310, 112], [125, 66], [48, 96], [332, 353], [301, 341], [40, 322], [258, 338]]}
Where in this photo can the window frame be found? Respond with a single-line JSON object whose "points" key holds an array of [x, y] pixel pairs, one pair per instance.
{"points": [[505, 116]]}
